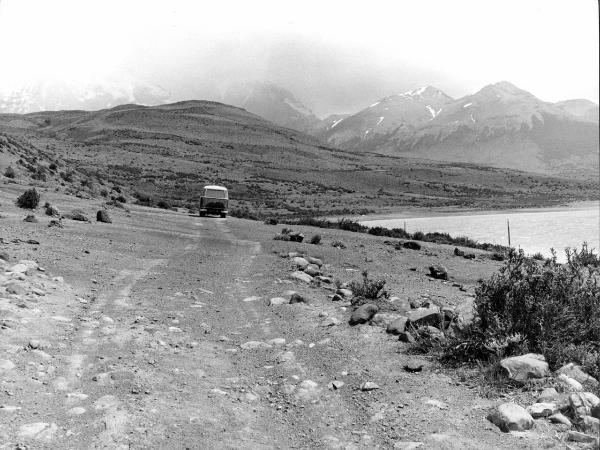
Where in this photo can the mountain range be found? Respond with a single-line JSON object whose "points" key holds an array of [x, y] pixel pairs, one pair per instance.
{"points": [[500, 125]]}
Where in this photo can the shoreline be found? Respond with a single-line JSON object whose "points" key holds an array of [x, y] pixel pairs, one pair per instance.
{"points": [[426, 213]]}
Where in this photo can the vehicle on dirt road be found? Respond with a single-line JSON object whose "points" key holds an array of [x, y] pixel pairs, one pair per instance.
{"points": [[214, 200]]}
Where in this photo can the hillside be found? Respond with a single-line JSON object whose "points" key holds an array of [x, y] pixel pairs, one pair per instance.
{"points": [[167, 153], [501, 125]]}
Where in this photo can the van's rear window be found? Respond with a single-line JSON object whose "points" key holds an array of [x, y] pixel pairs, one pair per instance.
{"points": [[213, 193]]}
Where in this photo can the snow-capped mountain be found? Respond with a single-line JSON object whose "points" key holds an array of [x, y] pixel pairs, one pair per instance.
{"points": [[405, 111], [501, 125], [582, 108], [54, 96], [273, 103]]}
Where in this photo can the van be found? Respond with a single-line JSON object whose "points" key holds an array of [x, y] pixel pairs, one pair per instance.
{"points": [[214, 200]]}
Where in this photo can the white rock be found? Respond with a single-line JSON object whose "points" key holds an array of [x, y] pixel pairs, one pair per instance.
{"points": [[276, 301], [511, 417], [521, 368], [369, 386], [301, 276], [538, 410], [298, 261], [570, 383]]}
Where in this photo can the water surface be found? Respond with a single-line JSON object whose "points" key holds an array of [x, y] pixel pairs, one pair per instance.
{"points": [[533, 231]]}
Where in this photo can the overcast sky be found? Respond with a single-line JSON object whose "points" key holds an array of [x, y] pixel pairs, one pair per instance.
{"points": [[334, 55]]}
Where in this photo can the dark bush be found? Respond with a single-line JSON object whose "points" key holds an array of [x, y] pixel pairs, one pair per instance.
{"points": [[412, 245], [10, 172], [29, 199], [163, 204], [315, 239], [550, 308], [67, 176], [538, 256], [121, 199], [52, 166], [368, 288], [102, 216]]}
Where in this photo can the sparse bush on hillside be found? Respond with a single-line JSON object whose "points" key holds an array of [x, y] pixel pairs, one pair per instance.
{"points": [[550, 308], [67, 176], [163, 204], [10, 172], [315, 239], [143, 199], [53, 166], [538, 256], [368, 288], [29, 199]]}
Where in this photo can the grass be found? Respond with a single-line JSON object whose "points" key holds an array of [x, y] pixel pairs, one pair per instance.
{"points": [[396, 233]]}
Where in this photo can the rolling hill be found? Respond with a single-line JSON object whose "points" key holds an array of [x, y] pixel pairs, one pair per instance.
{"points": [[165, 154]]}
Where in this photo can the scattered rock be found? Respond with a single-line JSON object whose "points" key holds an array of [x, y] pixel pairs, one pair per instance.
{"points": [[76, 411], [55, 223], [103, 216], [76, 215], [397, 326], [402, 305], [363, 314], [313, 270], [431, 316], [297, 298], [458, 252], [336, 384], [575, 372], [589, 424], [38, 430], [308, 390], [548, 395], [438, 272], [301, 276], [369, 386], [30, 218], [538, 410], [407, 445], [346, 293], [331, 322], [578, 436], [511, 417], [570, 383], [278, 301], [296, 237], [315, 261], [465, 313], [521, 368], [560, 419], [383, 319], [300, 262]]}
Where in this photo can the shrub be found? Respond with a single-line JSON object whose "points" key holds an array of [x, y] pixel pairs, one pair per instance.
{"points": [[67, 176], [538, 256], [163, 204], [10, 172], [29, 199], [315, 239], [369, 288], [550, 308], [121, 199], [338, 244], [53, 166]]}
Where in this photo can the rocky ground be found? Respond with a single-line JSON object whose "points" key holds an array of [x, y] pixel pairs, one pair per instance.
{"points": [[165, 330]]}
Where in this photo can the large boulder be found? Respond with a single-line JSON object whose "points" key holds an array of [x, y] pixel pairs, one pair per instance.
{"points": [[299, 262], [363, 314], [312, 260], [438, 271], [431, 316], [301, 276], [538, 410], [575, 372], [401, 305], [313, 270], [524, 367], [383, 319], [102, 216], [582, 404], [465, 313], [596, 412], [511, 417], [397, 326]]}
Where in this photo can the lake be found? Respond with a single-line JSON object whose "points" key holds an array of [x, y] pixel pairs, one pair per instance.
{"points": [[532, 230]]}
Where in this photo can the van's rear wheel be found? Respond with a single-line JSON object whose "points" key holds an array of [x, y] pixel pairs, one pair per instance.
{"points": [[223, 215], [202, 214]]}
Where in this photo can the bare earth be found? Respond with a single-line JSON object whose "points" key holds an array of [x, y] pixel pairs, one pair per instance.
{"points": [[160, 334]]}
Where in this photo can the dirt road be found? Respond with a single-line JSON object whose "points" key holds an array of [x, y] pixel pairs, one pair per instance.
{"points": [[163, 335]]}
